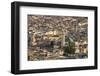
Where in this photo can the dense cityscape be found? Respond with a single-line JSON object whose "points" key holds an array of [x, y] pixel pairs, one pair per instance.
{"points": [[57, 37]]}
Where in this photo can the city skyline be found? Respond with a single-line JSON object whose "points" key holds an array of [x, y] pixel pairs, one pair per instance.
{"points": [[57, 37]]}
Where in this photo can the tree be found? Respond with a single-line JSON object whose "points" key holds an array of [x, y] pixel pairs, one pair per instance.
{"points": [[69, 49]]}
